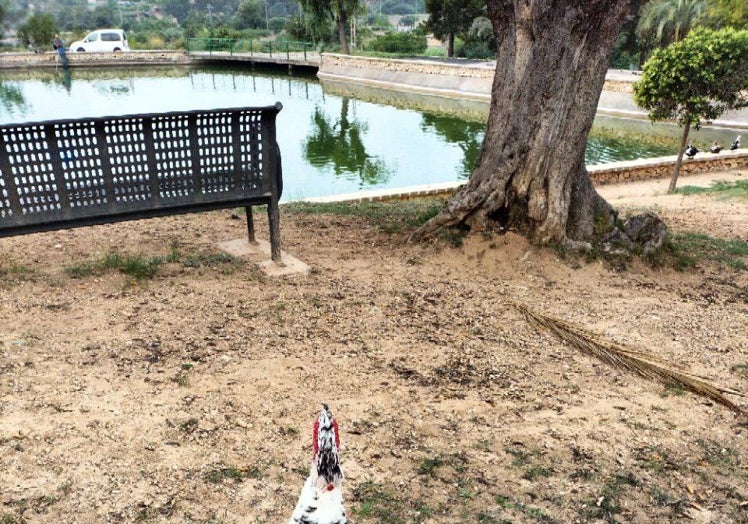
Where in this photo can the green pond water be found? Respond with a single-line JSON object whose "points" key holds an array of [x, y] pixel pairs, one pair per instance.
{"points": [[334, 139]]}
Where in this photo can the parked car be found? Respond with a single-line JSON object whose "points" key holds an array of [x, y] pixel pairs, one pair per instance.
{"points": [[101, 41]]}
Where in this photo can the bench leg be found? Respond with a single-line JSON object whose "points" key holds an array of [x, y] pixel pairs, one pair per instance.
{"points": [[250, 225], [274, 221]]}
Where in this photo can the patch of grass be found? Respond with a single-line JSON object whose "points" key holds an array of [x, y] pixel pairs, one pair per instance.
{"points": [[521, 457], [218, 475], [741, 369], [537, 472], [428, 466], [454, 236], [718, 455], [674, 390], [83, 269], [180, 378], [663, 498], [389, 217], [376, 502], [464, 491], [484, 517], [656, 458], [189, 425], [38, 505], [209, 260], [534, 513], [737, 189], [687, 250], [438, 52], [140, 267], [608, 504], [16, 271], [136, 266]]}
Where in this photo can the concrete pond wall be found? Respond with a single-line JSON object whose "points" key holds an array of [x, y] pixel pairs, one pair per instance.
{"points": [[472, 80], [613, 173]]}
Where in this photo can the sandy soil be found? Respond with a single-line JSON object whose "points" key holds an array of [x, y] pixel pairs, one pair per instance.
{"points": [[189, 397]]}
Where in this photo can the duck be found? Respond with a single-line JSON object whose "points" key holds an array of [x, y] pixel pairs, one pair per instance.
{"points": [[716, 148], [691, 150], [735, 145]]}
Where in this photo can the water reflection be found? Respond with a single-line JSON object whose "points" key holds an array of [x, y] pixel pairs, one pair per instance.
{"points": [[11, 98], [340, 145], [468, 136], [605, 145], [64, 78], [334, 139]]}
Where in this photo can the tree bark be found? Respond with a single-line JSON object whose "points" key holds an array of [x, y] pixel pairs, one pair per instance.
{"points": [[342, 22], [451, 45], [679, 160], [550, 68]]}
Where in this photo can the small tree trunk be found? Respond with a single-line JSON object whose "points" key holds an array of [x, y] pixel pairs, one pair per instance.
{"points": [[550, 68], [451, 45], [679, 160]]}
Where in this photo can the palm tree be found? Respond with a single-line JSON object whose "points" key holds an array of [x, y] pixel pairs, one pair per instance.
{"points": [[670, 20]]}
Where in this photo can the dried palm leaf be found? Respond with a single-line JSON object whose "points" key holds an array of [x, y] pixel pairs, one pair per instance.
{"points": [[622, 357]]}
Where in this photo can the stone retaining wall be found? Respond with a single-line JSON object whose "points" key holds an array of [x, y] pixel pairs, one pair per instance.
{"points": [[662, 167], [50, 59]]}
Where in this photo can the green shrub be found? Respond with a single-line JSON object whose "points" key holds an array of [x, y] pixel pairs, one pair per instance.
{"points": [[410, 42], [277, 24], [480, 41]]}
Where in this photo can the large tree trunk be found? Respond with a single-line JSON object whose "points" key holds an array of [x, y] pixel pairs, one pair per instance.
{"points": [[342, 22], [451, 45], [550, 68]]}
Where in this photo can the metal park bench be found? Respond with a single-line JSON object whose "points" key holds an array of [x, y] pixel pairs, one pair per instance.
{"points": [[69, 173]]}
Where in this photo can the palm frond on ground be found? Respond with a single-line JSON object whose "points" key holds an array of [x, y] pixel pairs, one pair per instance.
{"points": [[643, 364]]}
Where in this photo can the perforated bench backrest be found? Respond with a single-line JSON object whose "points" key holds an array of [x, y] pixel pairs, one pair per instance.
{"points": [[96, 170]]}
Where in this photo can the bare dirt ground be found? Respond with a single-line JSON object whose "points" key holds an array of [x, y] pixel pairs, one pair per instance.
{"points": [[189, 397]]}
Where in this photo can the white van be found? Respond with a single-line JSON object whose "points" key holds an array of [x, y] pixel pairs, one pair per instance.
{"points": [[101, 41]]}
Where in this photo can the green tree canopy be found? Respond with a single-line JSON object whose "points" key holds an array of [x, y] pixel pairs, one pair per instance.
{"points": [[695, 80], [480, 42], [729, 13], [2, 15], [449, 18], [250, 15], [103, 16], [39, 31], [338, 10], [670, 20]]}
